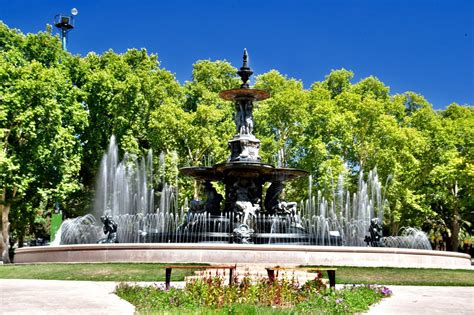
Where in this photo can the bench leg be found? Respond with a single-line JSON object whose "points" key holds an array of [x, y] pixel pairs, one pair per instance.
{"points": [[271, 275], [168, 278], [231, 276], [332, 278]]}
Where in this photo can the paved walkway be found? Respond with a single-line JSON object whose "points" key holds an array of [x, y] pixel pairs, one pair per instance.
{"points": [[60, 297], [88, 297], [426, 300]]}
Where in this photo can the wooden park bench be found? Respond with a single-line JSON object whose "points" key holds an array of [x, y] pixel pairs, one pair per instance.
{"points": [[169, 268], [331, 273]]}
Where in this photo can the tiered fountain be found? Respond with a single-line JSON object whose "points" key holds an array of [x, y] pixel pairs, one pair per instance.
{"points": [[243, 226], [248, 217]]}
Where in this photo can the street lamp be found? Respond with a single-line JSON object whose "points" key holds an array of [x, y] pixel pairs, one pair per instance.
{"points": [[65, 23]]}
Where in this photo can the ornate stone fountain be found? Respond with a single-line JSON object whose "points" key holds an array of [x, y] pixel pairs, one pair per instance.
{"points": [[244, 211], [202, 232]]}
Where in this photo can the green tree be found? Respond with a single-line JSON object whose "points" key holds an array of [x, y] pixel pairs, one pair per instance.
{"points": [[41, 122], [198, 127], [120, 93], [281, 119], [450, 187]]}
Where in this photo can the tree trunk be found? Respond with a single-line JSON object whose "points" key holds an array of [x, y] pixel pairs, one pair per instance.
{"points": [[455, 226], [2, 246], [5, 224], [196, 189], [21, 239], [394, 227]]}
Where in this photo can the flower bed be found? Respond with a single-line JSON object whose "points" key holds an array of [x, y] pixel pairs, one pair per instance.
{"points": [[247, 295]]}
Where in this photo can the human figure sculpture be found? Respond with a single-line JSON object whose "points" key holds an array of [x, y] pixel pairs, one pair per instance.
{"points": [[286, 207], [272, 201], [239, 117], [248, 118], [246, 204], [246, 209], [249, 124], [244, 117], [374, 239], [275, 206], [214, 199], [242, 234], [212, 204], [110, 229]]}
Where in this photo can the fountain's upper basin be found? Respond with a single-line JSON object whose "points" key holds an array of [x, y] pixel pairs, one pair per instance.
{"points": [[252, 94], [265, 172]]}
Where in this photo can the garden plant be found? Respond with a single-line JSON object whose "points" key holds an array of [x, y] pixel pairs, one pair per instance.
{"points": [[246, 294]]}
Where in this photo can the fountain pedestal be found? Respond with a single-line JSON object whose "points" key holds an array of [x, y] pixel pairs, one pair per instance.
{"points": [[244, 148]]}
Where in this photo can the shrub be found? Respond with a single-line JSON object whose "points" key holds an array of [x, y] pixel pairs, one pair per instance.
{"points": [[251, 296]]}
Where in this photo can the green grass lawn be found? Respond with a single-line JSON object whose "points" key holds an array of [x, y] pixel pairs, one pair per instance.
{"points": [[403, 276], [156, 272], [92, 272]]}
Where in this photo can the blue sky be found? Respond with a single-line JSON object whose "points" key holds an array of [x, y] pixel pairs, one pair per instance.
{"points": [[426, 46]]}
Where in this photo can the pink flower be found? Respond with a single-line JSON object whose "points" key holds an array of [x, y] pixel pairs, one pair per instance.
{"points": [[386, 291]]}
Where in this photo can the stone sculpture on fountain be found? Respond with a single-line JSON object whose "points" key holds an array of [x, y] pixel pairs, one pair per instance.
{"points": [[211, 205], [275, 206], [374, 239], [110, 230]]}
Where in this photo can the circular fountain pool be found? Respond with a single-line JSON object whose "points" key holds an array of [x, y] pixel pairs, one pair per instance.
{"points": [[246, 254], [251, 223]]}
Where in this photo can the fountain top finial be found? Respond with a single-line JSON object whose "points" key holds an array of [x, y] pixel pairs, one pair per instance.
{"points": [[246, 58], [244, 91], [245, 72]]}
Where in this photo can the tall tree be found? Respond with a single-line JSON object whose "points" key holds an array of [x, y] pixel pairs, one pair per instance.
{"points": [[450, 188], [41, 121], [281, 119], [120, 92]]}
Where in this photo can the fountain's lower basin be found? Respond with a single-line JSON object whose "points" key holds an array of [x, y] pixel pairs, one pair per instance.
{"points": [[241, 254], [226, 238]]}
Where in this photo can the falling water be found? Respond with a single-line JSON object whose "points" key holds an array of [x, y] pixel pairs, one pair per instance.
{"points": [[408, 238], [348, 215], [80, 230], [125, 192], [124, 187]]}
